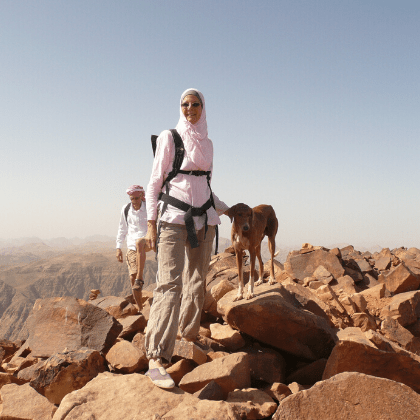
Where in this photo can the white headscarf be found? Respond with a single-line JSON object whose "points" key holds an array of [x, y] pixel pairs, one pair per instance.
{"points": [[198, 146]]}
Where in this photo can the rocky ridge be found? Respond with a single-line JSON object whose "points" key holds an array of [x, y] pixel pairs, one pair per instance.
{"points": [[337, 336]]}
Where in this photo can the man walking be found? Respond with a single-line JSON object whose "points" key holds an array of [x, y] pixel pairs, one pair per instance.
{"points": [[133, 227]]}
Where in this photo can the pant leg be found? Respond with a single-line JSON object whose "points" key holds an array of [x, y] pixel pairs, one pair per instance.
{"points": [[194, 283], [162, 326]]}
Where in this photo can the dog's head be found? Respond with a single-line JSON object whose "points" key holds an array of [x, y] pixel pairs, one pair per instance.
{"points": [[241, 216]]}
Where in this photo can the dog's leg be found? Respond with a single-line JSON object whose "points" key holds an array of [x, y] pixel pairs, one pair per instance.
{"points": [[261, 266], [239, 258], [250, 293], [272, 247]]}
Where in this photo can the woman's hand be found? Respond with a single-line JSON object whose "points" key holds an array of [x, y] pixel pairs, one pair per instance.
{"points": [[151, 234]]}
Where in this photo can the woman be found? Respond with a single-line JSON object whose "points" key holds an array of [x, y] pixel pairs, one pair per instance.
{"points": [[184, 238]]}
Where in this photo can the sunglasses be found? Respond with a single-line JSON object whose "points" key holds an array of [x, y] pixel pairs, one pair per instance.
{"points": [[194, 104], [135, 198]]}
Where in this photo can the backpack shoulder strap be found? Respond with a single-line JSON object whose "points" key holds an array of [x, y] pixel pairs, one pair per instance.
{"points": [[127, 208], [179, 156], [179, 153]]}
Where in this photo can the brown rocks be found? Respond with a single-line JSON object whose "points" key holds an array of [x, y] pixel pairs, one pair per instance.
{"points": [[132, 324], [266, 364], [24, 403], [64, 324], [252, 403], [125, 357], [356, 356], [275, 318], [303, 265], [401, 279], [351, 396], [116, 306], [134, 397], [404, 307], [230, 372], [63, 373], [281, 347], [227, 336]]}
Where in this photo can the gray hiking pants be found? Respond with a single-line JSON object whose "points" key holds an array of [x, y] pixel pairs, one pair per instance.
{"points": [[180, 288]]}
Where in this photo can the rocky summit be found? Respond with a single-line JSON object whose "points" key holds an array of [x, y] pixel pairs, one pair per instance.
{"points": [[336, 337]]}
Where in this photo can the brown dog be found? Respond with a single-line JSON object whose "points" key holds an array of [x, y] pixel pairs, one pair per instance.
{"points": [[249, 226]]}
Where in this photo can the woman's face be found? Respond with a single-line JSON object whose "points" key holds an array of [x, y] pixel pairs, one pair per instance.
{"points": [[191, 108]]}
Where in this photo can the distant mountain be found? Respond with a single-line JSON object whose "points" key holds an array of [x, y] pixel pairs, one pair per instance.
{"points": [[47, 272]]}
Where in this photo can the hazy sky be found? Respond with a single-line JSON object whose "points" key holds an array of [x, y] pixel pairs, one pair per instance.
{"points": [[312, 106]]}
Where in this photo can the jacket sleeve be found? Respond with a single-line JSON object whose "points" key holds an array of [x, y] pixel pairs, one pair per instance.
{"points": [[162, 164]]}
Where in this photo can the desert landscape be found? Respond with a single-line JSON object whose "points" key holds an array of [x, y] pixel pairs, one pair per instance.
{"points": [[336, 337]]}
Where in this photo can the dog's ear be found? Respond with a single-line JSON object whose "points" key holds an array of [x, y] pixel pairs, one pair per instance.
{"points": [[231, 213]]}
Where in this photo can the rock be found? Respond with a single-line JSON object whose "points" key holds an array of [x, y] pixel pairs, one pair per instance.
{"points": [[295, 387], [266, 364], [383, 263], [252, 403], [303, 265], [344, 284], [215, 294], [94, 294], [227, 336], [134, 397], [352, 396], [132, 324], [66, 372], [322, 274], [327, 294], [24, 403], [180, 369], [117, 307], [30, 373], [278, 391], [310, 301], [275, 318], [404, 307], [401, 279], [392, 330], [308, 374], [19, 363], [211, 391], [8, 378], [65, 324], [125, 357], [364, 357], [7, 348], [363, 321], [230, 372], [189, 350]]}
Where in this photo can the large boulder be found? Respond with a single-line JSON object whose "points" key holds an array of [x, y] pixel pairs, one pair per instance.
{"points": [[352, 396], [121, 397], [356, 353], [63, 373], [276, 318], [65, 323], [401, 279]]}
